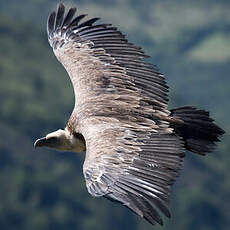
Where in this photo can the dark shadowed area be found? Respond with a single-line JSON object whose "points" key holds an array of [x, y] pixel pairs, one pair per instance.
{"points": [[45, 190]]}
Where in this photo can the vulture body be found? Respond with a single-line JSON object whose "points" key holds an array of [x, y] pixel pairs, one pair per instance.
{"points": [[134, 144]]}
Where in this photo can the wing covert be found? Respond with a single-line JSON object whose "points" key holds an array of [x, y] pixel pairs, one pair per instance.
{"points": [[107, 45], [138, 172]]}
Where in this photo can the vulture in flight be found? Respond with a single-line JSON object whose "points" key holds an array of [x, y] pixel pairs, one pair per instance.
{"points": [[134, 144]]}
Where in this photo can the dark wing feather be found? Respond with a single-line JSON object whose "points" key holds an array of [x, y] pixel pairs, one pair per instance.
{"points": [[69, 17], [51, 22], [76, 20], [59, 16], [133, 156], [88, 22]]}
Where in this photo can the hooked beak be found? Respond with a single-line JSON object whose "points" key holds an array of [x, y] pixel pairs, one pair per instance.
{"points": [[40, 142]]}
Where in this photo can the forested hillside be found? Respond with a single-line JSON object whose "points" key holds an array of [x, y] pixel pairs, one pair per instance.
{"points": [[45, 190]]}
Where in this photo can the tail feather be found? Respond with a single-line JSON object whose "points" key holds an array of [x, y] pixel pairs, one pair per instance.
{"points": [[198, 131]]}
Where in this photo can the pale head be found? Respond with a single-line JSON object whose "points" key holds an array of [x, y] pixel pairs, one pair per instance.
{"points": [[62, 140]]}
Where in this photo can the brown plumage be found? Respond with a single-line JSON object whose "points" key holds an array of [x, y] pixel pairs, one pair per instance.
{"points": [[134, 144]]}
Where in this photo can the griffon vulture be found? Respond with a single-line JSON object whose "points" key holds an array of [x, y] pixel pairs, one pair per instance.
{"points": [[134, 144]]}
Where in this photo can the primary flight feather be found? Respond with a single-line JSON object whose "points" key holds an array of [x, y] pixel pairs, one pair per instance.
{"points": [[134, 144]]}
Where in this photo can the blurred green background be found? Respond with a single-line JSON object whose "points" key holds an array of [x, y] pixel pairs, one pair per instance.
{"points": [[45, 190]]}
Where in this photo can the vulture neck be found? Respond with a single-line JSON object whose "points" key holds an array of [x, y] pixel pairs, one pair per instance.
{"points": [[78, 142]]}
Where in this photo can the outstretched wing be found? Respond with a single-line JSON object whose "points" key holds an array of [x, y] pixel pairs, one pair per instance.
{"points": [[121, 110]]}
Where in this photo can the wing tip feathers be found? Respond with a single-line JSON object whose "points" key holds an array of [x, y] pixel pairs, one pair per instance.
{"points": [[58, 19]]}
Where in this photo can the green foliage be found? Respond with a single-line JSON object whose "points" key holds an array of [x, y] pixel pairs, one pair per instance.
{"points": [[44, 189]]}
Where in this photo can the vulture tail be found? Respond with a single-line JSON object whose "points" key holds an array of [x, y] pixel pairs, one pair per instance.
{"points": [[198, 131]]}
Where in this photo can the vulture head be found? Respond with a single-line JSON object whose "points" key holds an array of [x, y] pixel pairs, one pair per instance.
{"points": [[62, 140]]}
